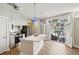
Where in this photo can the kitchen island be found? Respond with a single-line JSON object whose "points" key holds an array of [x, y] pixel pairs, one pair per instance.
{"points": [[31, 45]]}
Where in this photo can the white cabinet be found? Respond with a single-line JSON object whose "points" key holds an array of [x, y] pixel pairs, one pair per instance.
{"points": [[3, 34], [12, 41], [17, 19], [31, 44]]}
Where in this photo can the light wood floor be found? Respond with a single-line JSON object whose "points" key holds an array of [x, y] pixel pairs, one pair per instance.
{"points": [[50, 48]]}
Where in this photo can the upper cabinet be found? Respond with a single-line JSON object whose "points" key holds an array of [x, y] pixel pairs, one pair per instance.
{"points": [[18, 19]]}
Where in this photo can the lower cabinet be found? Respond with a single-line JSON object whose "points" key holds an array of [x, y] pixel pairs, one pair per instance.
{"points": [[12, 41], [3, 44]]}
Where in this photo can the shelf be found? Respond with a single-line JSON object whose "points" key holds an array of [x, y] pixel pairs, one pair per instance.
{"points": [[59, 26]]}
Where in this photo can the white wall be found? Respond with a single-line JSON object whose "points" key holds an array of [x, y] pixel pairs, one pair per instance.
{"points": [[36, 27]]}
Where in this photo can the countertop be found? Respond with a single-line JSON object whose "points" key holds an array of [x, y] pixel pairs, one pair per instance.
{"points": [[34, 38]]}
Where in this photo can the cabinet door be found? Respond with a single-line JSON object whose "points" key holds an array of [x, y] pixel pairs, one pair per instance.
{"points": [[12, 41], [3, 34]]}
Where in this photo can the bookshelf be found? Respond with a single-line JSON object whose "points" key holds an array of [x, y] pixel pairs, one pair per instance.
{"points": [[58, 28]]}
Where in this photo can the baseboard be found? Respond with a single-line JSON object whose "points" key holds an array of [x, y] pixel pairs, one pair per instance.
{"points": [[68, 45]]}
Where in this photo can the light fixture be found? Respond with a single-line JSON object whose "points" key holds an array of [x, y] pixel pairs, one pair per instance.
{"points": [[15, 6], [41, 20], [20, 8], [34, 18]]}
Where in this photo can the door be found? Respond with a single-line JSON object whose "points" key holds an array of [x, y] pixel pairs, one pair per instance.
{"points": [[76, 32], [3, 34]]}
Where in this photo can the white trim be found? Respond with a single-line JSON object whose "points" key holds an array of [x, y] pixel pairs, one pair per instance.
{"points": [[68, 45]]}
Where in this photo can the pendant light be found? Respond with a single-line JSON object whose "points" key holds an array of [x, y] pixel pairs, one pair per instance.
{"points": [[41, 20], [34, 18]]}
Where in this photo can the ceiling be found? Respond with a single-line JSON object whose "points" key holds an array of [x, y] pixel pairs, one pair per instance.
{"points": [[47, 9]]}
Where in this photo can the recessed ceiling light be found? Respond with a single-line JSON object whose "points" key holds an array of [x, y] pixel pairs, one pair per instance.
{"points": [[20, 8]]}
